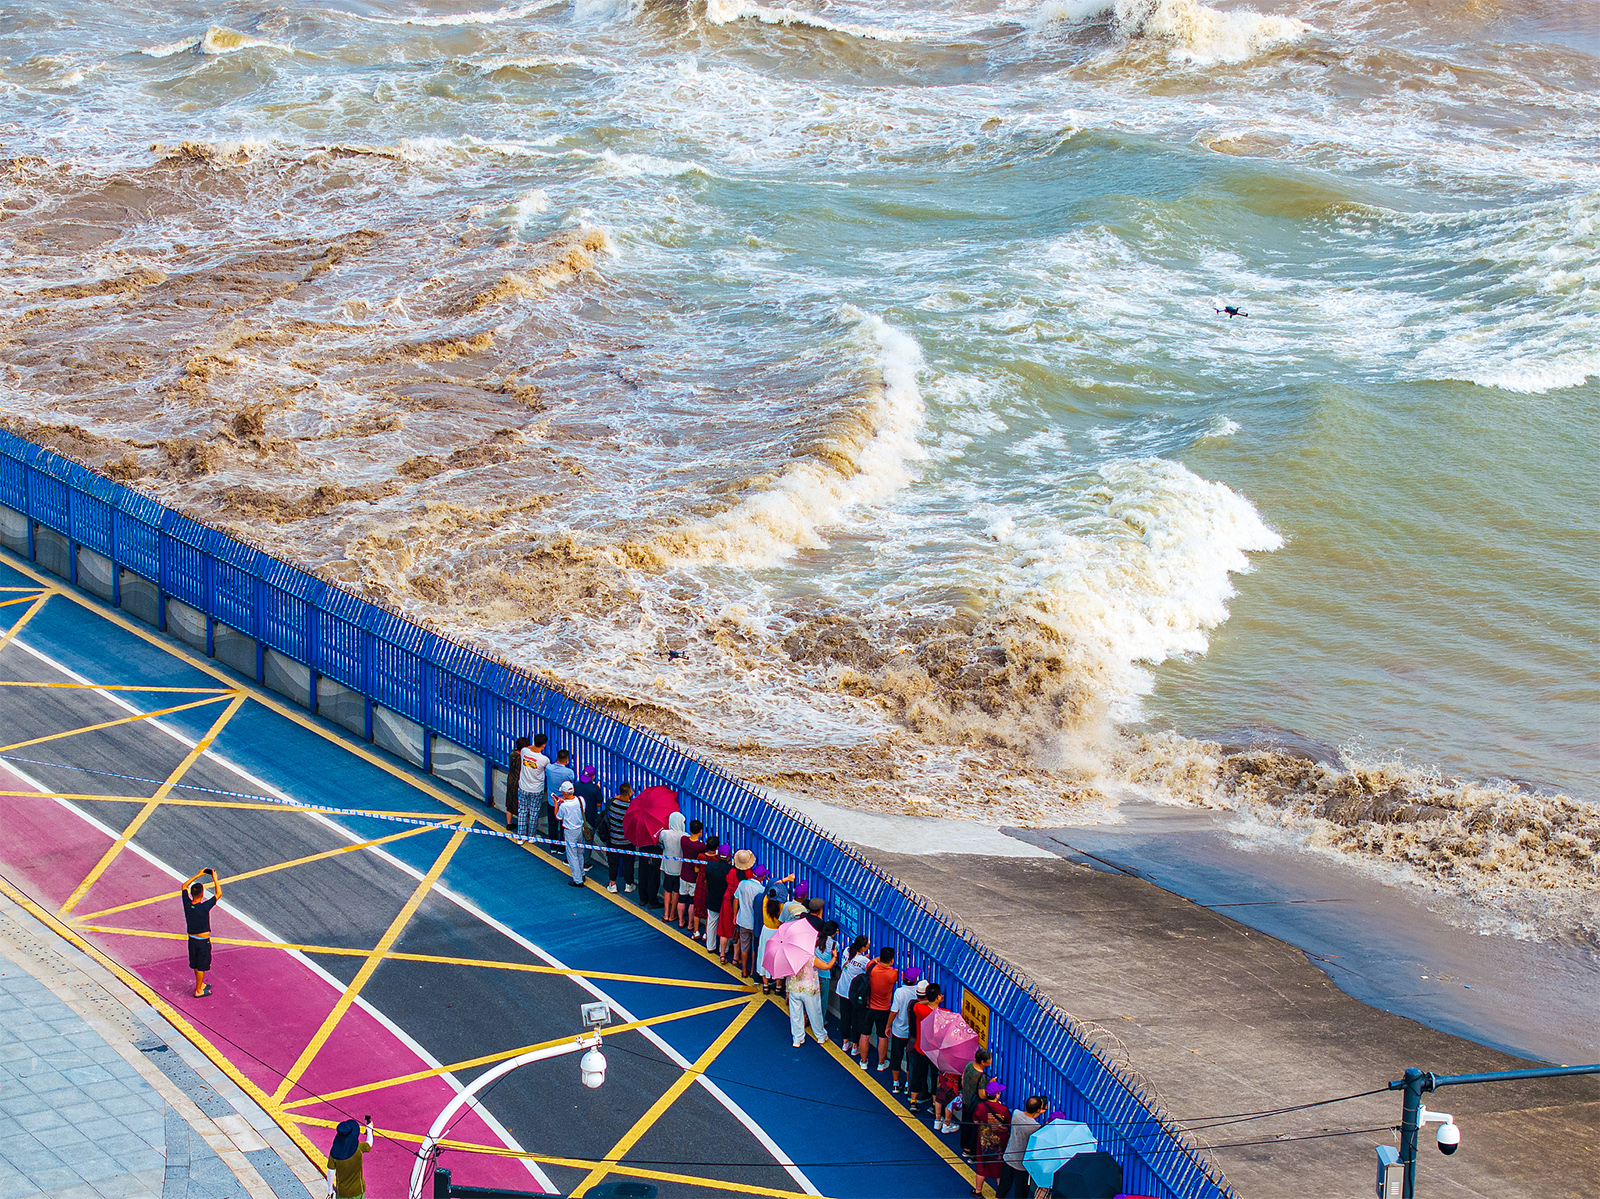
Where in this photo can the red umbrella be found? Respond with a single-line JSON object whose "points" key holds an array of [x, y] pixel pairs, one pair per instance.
{"points": [[790, 947], [948, 1041], [648, 815]]}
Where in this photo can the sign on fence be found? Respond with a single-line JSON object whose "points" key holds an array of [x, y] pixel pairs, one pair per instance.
{"points": [[976, 1013]]}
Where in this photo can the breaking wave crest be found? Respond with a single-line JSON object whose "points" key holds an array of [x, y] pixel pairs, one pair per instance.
{"points": [[866, 458], [1533, 858], [1191, 31], [216, 40], [724, 12]]}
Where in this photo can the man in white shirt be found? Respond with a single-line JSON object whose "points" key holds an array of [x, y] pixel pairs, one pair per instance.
{"points": [[570, 812], [530, 785], [900, 1026]]}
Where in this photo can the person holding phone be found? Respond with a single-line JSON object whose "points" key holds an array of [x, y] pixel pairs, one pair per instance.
{"points": [[197, 919], [345, 1179]]}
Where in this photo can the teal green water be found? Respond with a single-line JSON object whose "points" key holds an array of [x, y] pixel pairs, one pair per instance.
{"points": [[904, 358]]}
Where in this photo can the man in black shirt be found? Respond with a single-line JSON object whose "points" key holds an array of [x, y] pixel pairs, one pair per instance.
{"points": [[197, 916]]}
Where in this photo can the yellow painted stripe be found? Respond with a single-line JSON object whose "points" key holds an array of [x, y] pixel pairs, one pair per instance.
{"points": [[575, 1163], [239, 878], [144, 813], [173, 1017], [385, 943], [445, 818], [112, 686], [24, 619], [659, 1108], [32, 595], [506, 1054], [109, 724]]}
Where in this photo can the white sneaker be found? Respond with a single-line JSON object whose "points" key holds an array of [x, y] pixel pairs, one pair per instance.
{"points": [[798, 1044], [612, 888], [848, 1048], [865, 1067], [882, 1066], [630, 888]]}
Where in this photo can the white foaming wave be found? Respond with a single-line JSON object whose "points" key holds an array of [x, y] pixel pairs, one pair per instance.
{"points": [[1203, 35], [532, 62], [485, 17], [171, 48], [218, 39], [771, 525], [1195, 32], [725, 12], [1143, 577], [634, 165]]}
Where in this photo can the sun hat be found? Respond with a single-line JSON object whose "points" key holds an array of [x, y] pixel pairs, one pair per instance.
{"points": [[743, 859], [345, 1139]]}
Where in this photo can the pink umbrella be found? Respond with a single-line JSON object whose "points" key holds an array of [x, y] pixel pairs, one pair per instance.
{"points": [[790, 947], [948, 1041], [647, 815]]}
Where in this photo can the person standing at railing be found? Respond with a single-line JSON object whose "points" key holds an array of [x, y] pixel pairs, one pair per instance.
{"points": [[570, 813], [555, 774], [875, 991], [900, 1029], [514, 780], [920, 1085], [742, 911], [855, 963], [1014, 1177], [973, 1079], [530, 785], [689, 880], [805, 998], [618, 861], [593, 800], [672, 867], [717, 870]]}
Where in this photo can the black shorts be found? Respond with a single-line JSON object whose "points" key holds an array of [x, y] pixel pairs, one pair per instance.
{"points": [[876, 1022], [199, 953]]}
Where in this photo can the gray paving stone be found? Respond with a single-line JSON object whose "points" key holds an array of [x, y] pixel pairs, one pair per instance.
{"points": [[54, 1178], [17, 1101], [112, 1088], [42, 1121], [131, 1107]]}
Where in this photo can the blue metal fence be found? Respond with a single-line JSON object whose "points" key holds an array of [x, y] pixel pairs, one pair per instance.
{"points": [[481, 704]]}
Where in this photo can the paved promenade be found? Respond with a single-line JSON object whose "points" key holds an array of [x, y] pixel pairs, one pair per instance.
{"points": [[377, 953], [95, 1103]]}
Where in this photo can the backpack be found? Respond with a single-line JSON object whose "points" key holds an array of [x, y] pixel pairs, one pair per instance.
{"points": [[861, 986]]}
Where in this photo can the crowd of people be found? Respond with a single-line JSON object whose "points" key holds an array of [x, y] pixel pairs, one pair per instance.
{"points": [[725, 899]]}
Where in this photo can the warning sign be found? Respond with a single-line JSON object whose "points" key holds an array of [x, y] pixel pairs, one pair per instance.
{"points": [[976, 1013]]}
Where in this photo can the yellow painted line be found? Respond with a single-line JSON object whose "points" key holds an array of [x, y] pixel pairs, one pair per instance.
{"points": [[239, 878], [505, 1054], [606, 975], [576, 1163], [173, 1017], [385, 943], [144, 813], [659, 1108], [113, 686], [108, 724], [448, 819], [24, 619], [21, 599]]}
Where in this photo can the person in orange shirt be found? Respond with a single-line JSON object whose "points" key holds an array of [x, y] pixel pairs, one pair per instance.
{"points": [[881, 977], [930, 996]]}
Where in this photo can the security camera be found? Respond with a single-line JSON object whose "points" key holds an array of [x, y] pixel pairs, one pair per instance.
{"points": [[592, 1068], [1449, 1138]]}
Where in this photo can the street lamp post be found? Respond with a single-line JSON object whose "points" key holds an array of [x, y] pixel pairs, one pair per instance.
{"points": [[1413, 1116], [592, 1067]]}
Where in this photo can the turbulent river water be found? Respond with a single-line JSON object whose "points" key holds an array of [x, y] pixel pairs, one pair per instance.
{"points": [[841, 389]]}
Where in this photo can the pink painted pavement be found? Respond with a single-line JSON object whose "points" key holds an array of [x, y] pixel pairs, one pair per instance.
{"points": [[265, 1006]]}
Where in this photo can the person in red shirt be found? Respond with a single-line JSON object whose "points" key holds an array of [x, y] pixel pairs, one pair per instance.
{"points": [[929, 997], [881, 978]]}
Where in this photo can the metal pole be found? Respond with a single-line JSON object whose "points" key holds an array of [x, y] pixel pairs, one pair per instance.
{"points": [[1409, 1125], [1417, 1082]]}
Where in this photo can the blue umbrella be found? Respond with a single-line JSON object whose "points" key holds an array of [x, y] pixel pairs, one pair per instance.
{"points": [[1051, 1146]]}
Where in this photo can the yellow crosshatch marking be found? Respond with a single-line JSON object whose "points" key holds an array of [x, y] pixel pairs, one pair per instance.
{"points": [[490, 1059], [463, 815], [385, 943], [144, 813], [16, 626], [679, 1085], [576, 1163], [108, 724]]}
